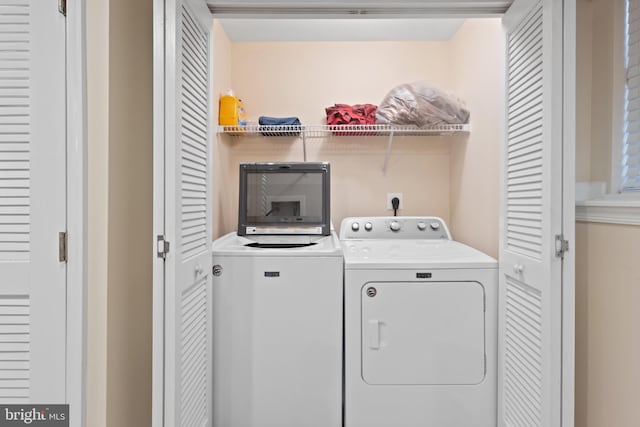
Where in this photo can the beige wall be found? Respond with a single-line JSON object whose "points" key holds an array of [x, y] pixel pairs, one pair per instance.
{"points": [[601, 90], [301, 79], [119, 213], [130, 213], [584, 59], [221, 83], [478, 67], [607, 319], [607, 274], [600, 25]]}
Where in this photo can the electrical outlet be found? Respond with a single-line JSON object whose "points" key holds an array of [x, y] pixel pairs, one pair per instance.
{"points": [[391, 196]]}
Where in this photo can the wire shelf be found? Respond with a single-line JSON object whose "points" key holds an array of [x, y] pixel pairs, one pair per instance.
{"points": [[322, 131], [306, 132]]}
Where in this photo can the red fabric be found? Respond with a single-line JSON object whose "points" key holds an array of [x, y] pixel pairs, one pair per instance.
{"points": [[358, 114]]}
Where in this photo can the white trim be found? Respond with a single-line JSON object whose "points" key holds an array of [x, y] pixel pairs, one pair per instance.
{"points": [[590, 190], [568, 213], [158, 358], [76, 211], [613, 210], [594, 205], [335, 9]]}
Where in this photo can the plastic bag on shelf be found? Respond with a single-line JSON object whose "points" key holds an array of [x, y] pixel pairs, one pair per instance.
{"points": [[421, 104]]}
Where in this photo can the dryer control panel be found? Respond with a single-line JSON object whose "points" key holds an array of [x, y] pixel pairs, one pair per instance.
{"points": [[394, 227]]}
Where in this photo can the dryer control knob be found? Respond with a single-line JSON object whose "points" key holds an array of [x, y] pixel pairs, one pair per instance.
{"points": [[422, 226], [355, 226], [435, 225], [394, 226], [368, 226]]}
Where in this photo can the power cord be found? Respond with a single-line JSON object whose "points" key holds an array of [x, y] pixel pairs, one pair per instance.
{"points": [[395, 203]]}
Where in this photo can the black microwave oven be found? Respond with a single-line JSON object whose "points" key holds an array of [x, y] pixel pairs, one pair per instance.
{"points": [[284, 199]]}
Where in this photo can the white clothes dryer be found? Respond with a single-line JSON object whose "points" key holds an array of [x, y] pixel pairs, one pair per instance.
{"points": [[277, 331], [420, 326]]}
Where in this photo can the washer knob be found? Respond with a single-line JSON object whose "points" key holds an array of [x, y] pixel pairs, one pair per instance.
{"points": [[435, 225], [368, 226], [355, 226], [394, 226], [422, 226]]}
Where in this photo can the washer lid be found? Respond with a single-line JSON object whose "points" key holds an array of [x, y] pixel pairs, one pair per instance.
{"points": [[277, 246], [415, 253]]}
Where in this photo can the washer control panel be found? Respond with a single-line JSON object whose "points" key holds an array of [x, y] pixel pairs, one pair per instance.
{"points": [[394, 227]]}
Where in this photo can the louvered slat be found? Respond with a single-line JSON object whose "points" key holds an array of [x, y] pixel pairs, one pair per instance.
{"points": [[15, 130], [524, 136], [193, 361], [523, 358], [631, 143], [15, 352], [193, 357], [522, 382], [194, 131]]}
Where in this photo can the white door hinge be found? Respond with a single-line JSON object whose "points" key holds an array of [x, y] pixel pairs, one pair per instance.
{"points": [[62, 7], [562, 245], [162, 247], [62, 246]]}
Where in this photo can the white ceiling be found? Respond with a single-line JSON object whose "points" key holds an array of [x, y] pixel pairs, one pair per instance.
{"points": [[340, 29], [348, 20]]}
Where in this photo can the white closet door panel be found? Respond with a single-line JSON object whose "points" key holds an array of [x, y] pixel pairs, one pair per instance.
{"points": [[525, 129], [15, 348], [187, 373], [32, 202], [194, 133], [15, 133], [531, 214]]}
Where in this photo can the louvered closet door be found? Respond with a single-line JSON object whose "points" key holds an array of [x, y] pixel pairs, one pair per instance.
{"points": [[188, 221], [531, 214], [32, 202]]}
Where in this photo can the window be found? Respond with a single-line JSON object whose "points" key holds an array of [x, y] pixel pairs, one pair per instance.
{"points": [[616, 201], [630, 167]]}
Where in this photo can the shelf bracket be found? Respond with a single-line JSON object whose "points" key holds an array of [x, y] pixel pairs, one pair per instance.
{"points": [[304, 144], [386, 157]]}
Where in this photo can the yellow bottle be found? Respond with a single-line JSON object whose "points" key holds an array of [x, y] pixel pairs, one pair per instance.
{"points": [[231, 111]]}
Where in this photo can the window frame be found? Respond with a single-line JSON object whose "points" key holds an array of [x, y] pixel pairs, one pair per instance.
{"points": [[619, 96]]}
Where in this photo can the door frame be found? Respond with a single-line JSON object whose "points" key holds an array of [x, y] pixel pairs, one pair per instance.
{"points": [[157, 374], [568, 206], [76, 210], [568, 211]]}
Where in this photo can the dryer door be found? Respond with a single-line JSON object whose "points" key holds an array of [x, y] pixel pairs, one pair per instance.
{"points": [[423, 333]]}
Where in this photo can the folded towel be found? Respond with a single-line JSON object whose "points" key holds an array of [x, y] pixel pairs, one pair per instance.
{"points": [[344, 114], [280, 126]]}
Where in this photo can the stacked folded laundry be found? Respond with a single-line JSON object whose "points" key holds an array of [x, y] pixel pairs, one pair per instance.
{"points": [[343, 114], [279, 126]]}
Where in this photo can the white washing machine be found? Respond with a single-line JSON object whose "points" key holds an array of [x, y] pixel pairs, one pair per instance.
{"points": [[420, 326], [277, 328]]}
